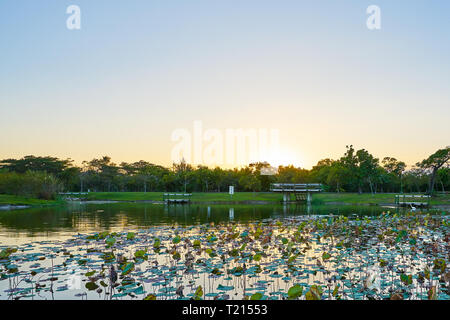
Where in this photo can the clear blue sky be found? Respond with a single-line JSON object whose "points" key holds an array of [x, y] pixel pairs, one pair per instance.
{"points": [[137, 70]]}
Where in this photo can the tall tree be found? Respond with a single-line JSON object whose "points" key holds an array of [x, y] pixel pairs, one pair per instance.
{"points": [[394, 166], [105, 171], [361, 165], [367, 165], [182, 172], [61, 169], [265, 180], [394, 170], [32, 163], [443, 176], [336, 176], [433, 163]]}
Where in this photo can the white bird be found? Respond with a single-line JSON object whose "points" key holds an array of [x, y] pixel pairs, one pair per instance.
{"points": [[412, 208]]}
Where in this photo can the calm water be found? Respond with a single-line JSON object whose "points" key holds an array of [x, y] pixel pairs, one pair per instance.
{"points": [[21, 226]]}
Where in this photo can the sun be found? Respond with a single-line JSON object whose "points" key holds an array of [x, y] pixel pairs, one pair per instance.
{"points": [[283, 157]]}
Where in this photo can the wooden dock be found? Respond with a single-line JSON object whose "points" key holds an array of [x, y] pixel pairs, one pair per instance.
{"points": [[73, 195], [180, 198], [301, 191], [408, 200]]}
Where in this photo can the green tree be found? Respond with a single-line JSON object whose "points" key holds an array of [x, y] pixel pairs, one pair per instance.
{"points": [[250, 182], [394, 166], [361, 166], [337, 174], [183, 174], [203, 178], [144, 175], [394, 170], [60, 169], [265, 180], [104, 172], [443, 176], [291, 174], [433, 163], [37, 184]]}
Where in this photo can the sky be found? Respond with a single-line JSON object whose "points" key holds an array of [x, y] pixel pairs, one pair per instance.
{"points": [[138, 71]]}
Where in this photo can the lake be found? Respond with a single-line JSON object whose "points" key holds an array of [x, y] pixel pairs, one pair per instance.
{"points": [[25, 225], [221, 252]]}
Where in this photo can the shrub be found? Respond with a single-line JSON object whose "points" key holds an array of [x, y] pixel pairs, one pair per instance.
{"points": [[30, 184]]}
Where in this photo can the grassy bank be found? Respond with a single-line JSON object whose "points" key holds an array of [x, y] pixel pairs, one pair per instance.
{"points": [[197, 197], [367, 198], [6, 199], [320, 198]]}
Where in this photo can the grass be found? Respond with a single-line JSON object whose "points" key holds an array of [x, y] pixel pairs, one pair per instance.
{"points": [[354, 198], [125, 196], [196, 196], [223, 197], [367, 198], [6, 199], [320, 198]]}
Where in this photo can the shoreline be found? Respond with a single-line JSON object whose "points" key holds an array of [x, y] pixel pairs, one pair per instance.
{"points": [[8, 202], [257, 202], [10, 207], [7, 207]]}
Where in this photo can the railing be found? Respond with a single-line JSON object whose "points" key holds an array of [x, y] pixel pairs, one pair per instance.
{"points": [[401, 199], [74, 193], [177, 197], [296, 187]]}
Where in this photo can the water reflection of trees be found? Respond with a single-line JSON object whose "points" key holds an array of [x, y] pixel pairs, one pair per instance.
{"points": [[95, 217]]}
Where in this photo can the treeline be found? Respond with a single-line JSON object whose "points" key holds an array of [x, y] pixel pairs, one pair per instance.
{"points": [[355, 171], [35, 184]]}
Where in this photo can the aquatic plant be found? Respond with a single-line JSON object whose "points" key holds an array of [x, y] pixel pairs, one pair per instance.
{"points": [[392, 256]]}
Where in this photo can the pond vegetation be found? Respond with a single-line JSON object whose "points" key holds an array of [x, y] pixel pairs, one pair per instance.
{"points": [[314, 257]]}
